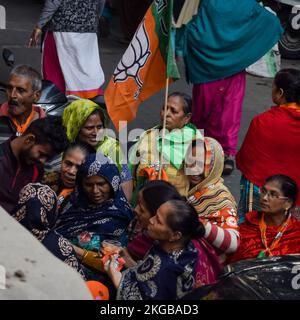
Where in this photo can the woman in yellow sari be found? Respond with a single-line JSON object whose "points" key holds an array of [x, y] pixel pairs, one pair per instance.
{"points": [[212, 200], [146, 155]]}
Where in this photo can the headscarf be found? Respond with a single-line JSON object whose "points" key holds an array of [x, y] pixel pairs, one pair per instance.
{"points": [[211, 195], [110, 219], [74, 117], [76, 114], [37, 212]]}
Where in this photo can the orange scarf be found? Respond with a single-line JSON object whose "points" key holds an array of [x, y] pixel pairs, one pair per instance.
{"points": [[292, 105], [63, 195], [20, 128], [275, 242]]}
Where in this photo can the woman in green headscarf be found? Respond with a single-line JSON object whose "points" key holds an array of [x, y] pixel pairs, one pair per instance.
{"points": [[145, 156], [85, 122]]}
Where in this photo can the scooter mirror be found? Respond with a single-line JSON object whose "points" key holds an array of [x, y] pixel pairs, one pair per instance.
{"points": [[8, 57]]}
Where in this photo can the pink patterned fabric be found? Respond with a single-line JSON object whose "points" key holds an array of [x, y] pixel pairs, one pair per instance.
{"points": [[217, 108], [140, 245], [208, 265]]}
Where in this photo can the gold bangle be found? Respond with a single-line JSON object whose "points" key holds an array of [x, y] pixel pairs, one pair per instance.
{"points": [[85, 253]]}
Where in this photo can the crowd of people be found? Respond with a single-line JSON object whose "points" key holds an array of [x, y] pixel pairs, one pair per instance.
{"points": [[171, 222]]}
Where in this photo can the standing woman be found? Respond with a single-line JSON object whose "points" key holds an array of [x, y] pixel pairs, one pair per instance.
{"points": [[70, 53], [215, 42], [272, 143]]}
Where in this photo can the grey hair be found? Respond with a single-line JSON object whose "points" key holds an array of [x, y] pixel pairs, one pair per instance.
{"points": [[30, 73], [186, 99], [76, 146]]}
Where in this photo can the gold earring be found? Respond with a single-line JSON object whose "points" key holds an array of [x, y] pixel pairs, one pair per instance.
{"points": [[286, 211]]}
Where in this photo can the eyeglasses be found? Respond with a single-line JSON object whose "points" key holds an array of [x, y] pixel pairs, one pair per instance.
{"points": [[271, 194]]}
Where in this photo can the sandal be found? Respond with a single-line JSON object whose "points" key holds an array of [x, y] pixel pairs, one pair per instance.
{"points": [[228, 165]]}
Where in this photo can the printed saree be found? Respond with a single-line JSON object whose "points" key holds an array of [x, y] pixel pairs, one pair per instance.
{"points": [[160, 276], [108, 220], [37, 212]]}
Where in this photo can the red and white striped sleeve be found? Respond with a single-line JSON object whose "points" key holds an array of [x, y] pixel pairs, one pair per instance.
{"points": [[224, 240]]}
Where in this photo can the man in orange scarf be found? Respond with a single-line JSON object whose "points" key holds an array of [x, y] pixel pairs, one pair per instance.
{"points": [[23, 90]]}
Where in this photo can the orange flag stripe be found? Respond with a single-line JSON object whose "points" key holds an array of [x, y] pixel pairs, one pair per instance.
{"points": [[120, 96]]}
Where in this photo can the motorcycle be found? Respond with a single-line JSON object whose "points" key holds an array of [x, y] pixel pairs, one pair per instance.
{"points": [[52, 100], [288, 12]]}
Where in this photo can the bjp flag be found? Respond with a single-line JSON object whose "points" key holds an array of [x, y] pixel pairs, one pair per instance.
{"points": [[146, 64]]}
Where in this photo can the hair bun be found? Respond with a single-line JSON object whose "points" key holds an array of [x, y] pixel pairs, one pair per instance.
{"points": [[199, 232]]}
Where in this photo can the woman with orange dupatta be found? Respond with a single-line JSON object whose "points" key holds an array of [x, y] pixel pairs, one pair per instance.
{"points": [[272, 231], [272, 143]]}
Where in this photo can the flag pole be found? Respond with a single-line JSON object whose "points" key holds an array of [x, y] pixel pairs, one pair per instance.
{"points": [[164, 128]]}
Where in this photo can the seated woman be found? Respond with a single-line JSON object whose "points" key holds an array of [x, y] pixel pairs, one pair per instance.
{"points": [[272, 142], [212, 200], [150, 198], [145, 156], [169, 270], [139, 246], [85, 122], [273, 231], [98, 209], [63, 182], [37, 212]]}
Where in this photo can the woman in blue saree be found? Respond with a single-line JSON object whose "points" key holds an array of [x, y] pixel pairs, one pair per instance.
{"points": [[168, 272], [98, 208]]}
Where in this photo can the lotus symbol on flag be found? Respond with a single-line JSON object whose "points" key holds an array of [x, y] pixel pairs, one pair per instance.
{"points": [[134, 58]]}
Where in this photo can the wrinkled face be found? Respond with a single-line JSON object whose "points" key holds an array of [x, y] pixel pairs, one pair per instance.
{"points": [[176, 118], [36, 154], [97, 189], [69, 167], [143, 215], [272, 199], [20, 95], [194, 165], [91, 130], [158, 228]]}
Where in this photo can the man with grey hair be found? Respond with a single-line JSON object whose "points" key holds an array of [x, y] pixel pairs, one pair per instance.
{"points": [[23, 90]]}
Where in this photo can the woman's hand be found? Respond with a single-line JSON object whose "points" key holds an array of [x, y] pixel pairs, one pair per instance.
{"points": [[111, 268], [35, 35]]}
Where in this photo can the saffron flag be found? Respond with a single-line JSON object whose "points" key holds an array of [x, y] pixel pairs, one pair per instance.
{"points": [[146, 64]]}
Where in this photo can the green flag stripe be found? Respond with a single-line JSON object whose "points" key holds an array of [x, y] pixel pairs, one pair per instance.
{"points": [[162, 11]]}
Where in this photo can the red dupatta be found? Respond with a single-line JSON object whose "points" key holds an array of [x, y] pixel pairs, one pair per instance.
{"points": [[251, 241], [272, 146]]}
